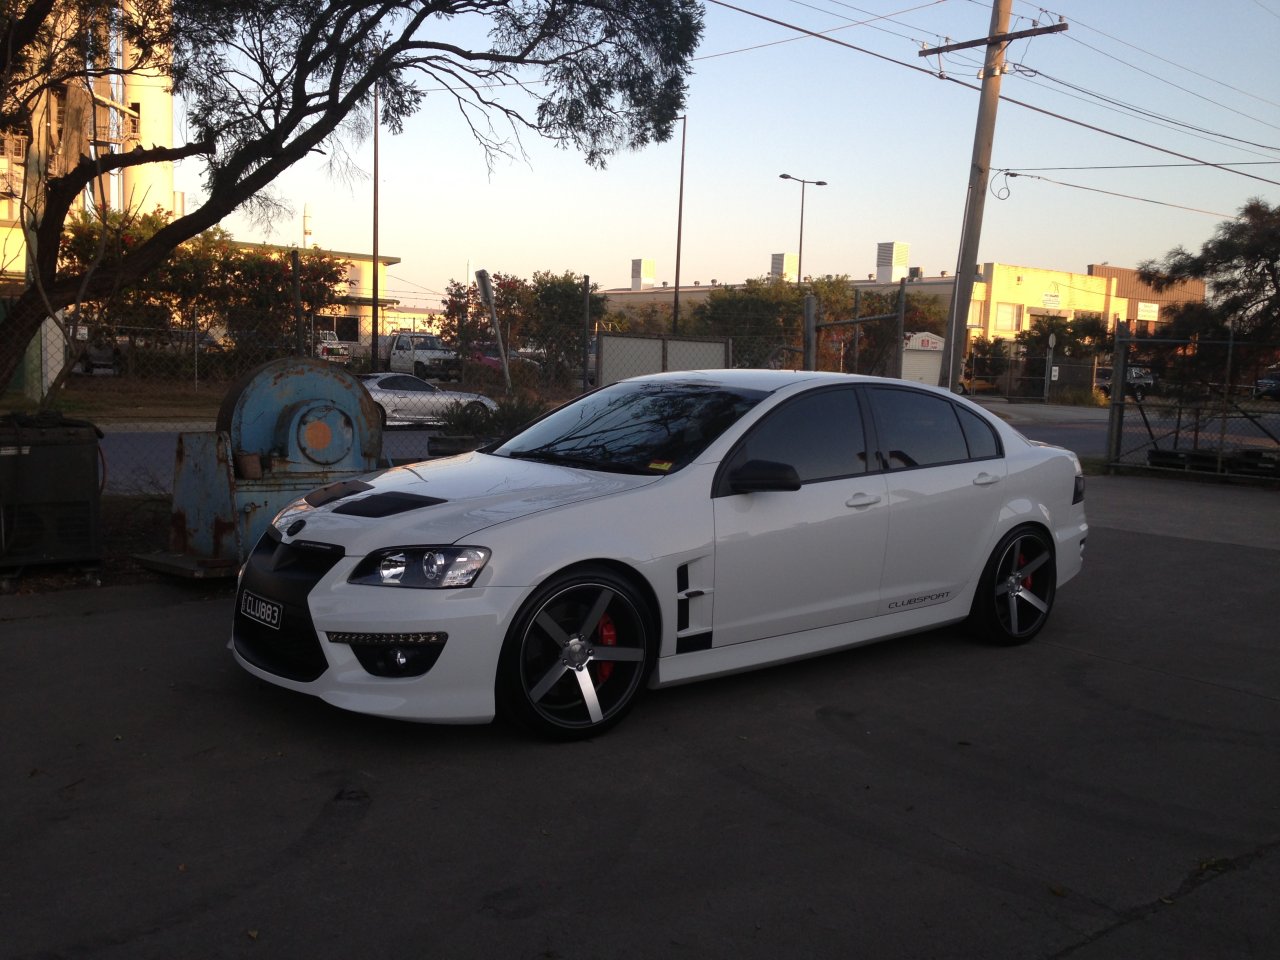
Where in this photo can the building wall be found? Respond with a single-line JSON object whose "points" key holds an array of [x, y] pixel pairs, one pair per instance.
{"points": [[1016, 295], [1144, 305]]}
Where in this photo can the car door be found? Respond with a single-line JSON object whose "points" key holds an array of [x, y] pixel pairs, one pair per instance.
{"points": [[945, 478], [411, 398], [792, 560]]}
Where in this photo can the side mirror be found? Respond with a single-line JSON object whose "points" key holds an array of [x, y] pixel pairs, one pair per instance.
{"points": [[758, 476]]}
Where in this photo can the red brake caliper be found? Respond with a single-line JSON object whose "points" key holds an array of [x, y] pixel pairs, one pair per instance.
{"points": [[606, 635], [1022, 562]]}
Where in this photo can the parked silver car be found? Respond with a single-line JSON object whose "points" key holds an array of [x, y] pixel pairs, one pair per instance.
{"points": [[406, 399]]}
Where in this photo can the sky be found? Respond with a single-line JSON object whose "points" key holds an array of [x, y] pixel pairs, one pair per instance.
{"points": [[1195, 79]]}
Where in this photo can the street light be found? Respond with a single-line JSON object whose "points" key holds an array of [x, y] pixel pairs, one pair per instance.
{"points": [[803, 183], [675, 302]]}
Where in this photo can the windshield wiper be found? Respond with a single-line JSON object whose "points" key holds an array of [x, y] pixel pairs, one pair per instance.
{"points": [[569, 460]]}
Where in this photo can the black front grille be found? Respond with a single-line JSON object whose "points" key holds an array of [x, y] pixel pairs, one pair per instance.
{"points": [[285, 574]]}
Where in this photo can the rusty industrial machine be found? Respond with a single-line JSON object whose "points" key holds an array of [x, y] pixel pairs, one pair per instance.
{"points": [[283, 430]]}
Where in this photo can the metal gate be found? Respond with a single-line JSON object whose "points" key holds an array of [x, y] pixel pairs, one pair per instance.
{"points": [[1201, 411]]}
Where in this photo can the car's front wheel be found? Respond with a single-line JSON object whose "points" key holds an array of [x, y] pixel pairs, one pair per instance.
{"points": [[577, 656], [1015, 594]]}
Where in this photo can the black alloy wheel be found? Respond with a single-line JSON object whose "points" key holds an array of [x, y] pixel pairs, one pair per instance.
{"points": [[577, 656], [1015, 595]]}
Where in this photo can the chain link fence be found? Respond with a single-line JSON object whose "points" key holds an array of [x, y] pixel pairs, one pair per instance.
{"points": [[143, 386], [1198, 406]]}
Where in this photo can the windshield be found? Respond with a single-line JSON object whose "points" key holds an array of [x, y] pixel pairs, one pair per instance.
{"points": [[634, 427]]}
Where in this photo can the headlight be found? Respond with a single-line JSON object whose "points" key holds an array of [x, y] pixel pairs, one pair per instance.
{"points": [[423, 567]]}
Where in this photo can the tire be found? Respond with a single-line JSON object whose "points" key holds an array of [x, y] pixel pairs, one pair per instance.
{"points": [[578, 655], [1138, 394], [1015, 595], [476, 409], [382, 415], [420, 370]]}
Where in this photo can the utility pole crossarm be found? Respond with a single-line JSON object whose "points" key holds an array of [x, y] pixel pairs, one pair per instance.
{"points": [[1000, 38]]}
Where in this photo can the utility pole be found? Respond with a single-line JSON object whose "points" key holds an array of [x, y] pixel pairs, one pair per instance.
{"points": [[375, 348], [979, 172]]}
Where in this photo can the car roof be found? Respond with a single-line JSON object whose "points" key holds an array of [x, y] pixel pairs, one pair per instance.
{"points": [[748, 379]]}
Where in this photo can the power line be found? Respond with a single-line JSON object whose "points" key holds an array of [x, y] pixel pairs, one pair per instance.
{"points": [[847, 26], [1267, 9], [1154, 166], [1007, 99], [1004, 193], [1158, 116], [1156, 56]]}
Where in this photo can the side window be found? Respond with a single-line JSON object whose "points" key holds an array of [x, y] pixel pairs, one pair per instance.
{"points": [[917, 429], [820, 434], [983, 444]]}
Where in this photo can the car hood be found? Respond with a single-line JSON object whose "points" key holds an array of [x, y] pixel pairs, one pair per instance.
{"points": [[444, 501]]}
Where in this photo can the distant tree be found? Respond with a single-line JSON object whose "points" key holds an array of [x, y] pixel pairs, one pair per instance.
{"points": [[206, 281], [1240, 264], [268, 82], [468, 323], [764, 317], [257, 301], [465, 320], [1082, 336], [89, 243], [651, 318], [556, 325], [988, 359]]}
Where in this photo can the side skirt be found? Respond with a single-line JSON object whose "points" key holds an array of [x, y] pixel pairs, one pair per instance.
{"points": [[753, 654]]}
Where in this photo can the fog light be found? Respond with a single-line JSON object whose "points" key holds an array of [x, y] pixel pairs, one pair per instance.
{"points": [[394, 655]]}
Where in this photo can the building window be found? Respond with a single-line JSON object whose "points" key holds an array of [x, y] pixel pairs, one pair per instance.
{"points": [[1008, 317]]}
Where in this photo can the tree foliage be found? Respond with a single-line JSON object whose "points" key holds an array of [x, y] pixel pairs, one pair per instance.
{"points": [[209, 283], [266, 82], [764, 316], [1240, 265], [542, 316], [765, 319], [557, 327], [1083, 336]]}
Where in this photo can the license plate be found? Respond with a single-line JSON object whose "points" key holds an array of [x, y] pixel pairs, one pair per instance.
{"points": [[264, 611]]}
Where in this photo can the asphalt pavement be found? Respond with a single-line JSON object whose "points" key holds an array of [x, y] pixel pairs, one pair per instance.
{"points": [[1109, 790]]}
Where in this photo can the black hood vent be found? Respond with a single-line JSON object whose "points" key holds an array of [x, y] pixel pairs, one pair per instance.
{"points": [[386, 504]]}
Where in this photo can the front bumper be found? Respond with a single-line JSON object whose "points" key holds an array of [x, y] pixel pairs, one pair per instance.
{"points": [[316, 601]]}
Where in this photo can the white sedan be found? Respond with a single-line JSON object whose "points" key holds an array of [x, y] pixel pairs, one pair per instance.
{"points": [[406, 399], [657, 531]]}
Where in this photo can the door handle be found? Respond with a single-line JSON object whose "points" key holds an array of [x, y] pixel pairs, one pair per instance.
{"points": [[985, 479], [860, 501]]}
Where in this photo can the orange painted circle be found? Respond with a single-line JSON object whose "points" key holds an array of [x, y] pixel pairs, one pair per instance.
{"points": [[317, 435]]}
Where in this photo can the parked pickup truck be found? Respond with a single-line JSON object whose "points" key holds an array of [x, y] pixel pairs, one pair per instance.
{"points": [[424, 355], [329, 347]]}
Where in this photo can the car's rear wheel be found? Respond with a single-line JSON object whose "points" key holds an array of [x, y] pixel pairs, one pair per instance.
{"points": [[577, 656], [1015, 595], [1138, 394]]}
